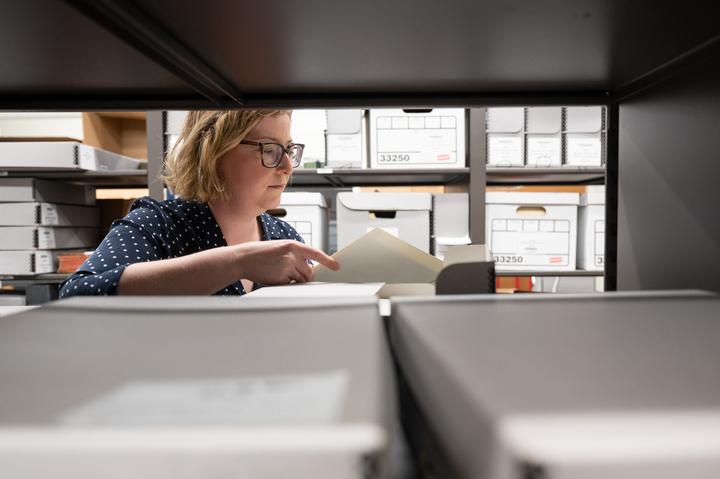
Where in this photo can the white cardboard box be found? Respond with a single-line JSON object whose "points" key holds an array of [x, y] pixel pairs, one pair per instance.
{"points": [[344, 146], [47, 237], [309, 214], [451, 221], [591, 232], [30, 262], [48, 214], [404, 215], [62, 155], [505, 143], [532, 231], [417, 139], [35, 189], [583, 138], [543, 139]]}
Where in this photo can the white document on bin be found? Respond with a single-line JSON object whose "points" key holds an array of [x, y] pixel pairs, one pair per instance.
{"points": [[243, 401], [379, 257], [316, 290]]}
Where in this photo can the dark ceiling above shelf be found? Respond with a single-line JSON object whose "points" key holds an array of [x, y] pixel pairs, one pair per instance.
{"points": [[161, 54]]}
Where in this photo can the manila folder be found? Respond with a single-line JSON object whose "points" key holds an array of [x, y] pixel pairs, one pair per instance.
{"points": [[379, 257]]}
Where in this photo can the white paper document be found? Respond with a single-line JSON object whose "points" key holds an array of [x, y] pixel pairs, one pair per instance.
{"points": [[379, 257], [245, 401]]}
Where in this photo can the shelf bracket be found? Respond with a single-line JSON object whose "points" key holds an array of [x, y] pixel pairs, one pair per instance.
{"points": [[146, 35]]}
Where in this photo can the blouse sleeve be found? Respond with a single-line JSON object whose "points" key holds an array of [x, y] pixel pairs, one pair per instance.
{"points": [[129, 241]]}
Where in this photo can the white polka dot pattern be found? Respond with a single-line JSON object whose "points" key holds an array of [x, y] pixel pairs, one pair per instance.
{"points": [[155, 230]]}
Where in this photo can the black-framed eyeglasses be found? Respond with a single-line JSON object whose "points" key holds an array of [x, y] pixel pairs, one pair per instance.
{"points": [[271, 154]]}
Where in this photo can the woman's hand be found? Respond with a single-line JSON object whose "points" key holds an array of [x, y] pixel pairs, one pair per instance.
{"points": [[280, 261]]}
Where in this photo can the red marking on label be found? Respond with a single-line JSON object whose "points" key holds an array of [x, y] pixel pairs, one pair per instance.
{"points": [[443, 157], [556, 260]]}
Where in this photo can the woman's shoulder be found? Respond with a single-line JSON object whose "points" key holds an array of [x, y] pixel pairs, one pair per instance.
{"points": [[171, 207]]}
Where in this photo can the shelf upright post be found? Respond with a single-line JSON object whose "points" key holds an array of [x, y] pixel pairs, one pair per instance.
{"points": [[611, 196], [477, 165], [156, 153]]}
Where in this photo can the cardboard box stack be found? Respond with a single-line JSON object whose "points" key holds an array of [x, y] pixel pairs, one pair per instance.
{"points": [[40, 219], [591, 232], [309, 214]]}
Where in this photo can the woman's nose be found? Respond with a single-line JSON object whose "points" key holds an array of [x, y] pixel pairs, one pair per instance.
{"points": [[286, 162]]}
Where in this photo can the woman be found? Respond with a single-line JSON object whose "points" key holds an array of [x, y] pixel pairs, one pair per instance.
{"points": [[228, 168]]}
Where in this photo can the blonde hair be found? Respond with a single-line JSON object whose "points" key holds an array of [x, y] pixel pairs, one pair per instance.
{"points": [[191, 167]]}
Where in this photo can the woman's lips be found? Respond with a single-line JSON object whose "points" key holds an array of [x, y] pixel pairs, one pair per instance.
{"points": [[278, 187]]}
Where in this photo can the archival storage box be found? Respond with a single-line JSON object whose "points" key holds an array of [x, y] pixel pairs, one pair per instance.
{"points": [[543, 137], [451, 222], [35, 189], [532, 231], [505, 145], [583, 136], [61, 155], [309, 214], [30, 262], [417, 138], [253, 388], [591, 232], [344, 146], [48, 214], [47, 237], [404, 215]]}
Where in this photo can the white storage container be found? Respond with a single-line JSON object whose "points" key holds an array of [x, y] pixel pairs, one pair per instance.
{"points": [[591, 232], [404, 215], [532, 231], [61, 155], [417, 138], [48, 214], [30, 262], [505, 145], [583, 136], [47, 237], [344, 139], [543, 139], [451, 221], [35, 189], [309, 214]]}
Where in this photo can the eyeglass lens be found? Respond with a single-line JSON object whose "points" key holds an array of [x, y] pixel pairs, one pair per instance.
{"points": [[272, 155]]}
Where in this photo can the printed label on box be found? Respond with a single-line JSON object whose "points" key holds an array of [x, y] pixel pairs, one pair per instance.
{"points": [[584, 151], [543, 151], [87, 158], [505, 151], [344, 148], [49, 215], [46, 238], [43, 262]]}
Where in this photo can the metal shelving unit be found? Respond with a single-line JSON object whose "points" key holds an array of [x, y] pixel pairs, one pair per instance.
{"points": [[379, 177], [523, 274], [119, 178], [545, 176]]}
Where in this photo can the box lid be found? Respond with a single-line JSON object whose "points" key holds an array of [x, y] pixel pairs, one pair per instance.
{"points": [[523, 198], [505, 120], [583, 119], [592, 199], [303, 198], [386, 201], [544, 120]]}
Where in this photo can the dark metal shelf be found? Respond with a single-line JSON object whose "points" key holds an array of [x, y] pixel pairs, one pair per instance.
{"points": [[563, 175], [378, 177], [120, 178], [35, 278], [523, 274]]}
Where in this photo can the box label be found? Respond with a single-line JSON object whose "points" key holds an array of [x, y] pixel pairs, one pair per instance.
{"points": [[583, 151], [344, 149], [543, 151], [46, 238], [43, 262], [505, 150], [49, 215], [87, 158], [251, 401]]}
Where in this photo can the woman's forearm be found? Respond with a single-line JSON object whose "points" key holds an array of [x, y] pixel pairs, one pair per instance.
{"points": [[200, 274]]}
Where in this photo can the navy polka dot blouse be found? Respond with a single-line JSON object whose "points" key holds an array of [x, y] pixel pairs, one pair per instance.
{"points": [[155, 230]]}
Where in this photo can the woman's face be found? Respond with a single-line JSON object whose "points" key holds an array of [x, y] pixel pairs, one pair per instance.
{"points": [[251, 184]]}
